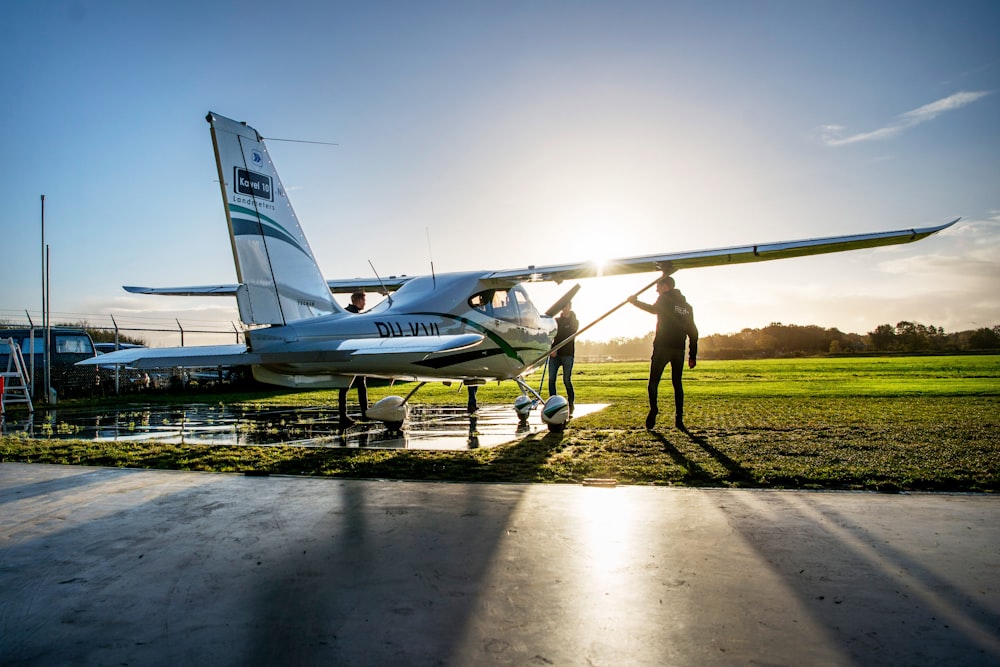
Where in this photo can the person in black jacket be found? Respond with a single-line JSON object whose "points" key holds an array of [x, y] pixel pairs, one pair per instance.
{"points": [[674, 326], [357, 305], [567, 326]]}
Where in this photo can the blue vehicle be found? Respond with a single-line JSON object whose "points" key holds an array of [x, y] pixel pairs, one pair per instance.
{"points": [[67, 346]]}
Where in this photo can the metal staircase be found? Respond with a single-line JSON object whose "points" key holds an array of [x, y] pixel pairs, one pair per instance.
{"points": [[14, 385]]}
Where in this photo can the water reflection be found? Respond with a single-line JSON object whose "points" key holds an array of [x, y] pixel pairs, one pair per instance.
{"points": [[429, 427]]}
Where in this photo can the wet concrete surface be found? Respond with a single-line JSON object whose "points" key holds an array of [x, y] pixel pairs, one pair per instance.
{"points": [[428, 427], [128, 567]]}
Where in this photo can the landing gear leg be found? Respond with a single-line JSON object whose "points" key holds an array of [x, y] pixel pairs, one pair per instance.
{"points": [[526, 402]]}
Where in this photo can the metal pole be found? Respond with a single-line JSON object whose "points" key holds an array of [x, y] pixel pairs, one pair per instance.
{"points": [[45, 356], [31, 354], [117, 366], [48, 329]]}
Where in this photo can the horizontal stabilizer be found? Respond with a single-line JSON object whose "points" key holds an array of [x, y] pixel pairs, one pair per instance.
{"points": [[337, 351], [168, 357]]}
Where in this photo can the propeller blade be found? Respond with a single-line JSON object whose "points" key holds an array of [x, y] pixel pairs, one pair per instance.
{"points": [[563, 300]]}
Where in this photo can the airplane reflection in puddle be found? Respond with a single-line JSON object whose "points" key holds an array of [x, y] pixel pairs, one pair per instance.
{"points": [[429, 427]]}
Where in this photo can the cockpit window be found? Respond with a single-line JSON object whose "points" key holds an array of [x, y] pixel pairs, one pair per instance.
{"points": [[512, 305], [494, 303]]}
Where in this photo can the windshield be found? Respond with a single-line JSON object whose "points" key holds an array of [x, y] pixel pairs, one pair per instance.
{"points": [[62, 343]]}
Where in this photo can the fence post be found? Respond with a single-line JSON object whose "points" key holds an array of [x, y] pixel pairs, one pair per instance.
{"points": [[117, 367]]}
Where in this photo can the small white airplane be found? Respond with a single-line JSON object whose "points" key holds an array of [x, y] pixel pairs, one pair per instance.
{"points": [[469, 327]]}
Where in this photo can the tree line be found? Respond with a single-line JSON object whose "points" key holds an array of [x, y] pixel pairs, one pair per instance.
{"points": [[792, 340]]}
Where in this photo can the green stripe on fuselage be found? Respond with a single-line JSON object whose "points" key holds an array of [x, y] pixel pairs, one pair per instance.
{"points": [[506, 347]]}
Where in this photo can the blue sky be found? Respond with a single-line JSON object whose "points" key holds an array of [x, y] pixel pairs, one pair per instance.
{"points": [[497, 135]]}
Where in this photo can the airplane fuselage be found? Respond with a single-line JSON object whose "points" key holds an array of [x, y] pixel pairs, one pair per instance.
{"points": [[510, 335]]}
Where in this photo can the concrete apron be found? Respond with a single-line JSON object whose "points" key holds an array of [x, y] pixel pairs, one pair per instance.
{"points": [[108, 566]]}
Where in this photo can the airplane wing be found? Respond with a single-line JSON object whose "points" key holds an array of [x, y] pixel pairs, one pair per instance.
{"points": [[762, 252], [198, 290], [351, 285], [337, 286], [668, 262], [326, 351]]}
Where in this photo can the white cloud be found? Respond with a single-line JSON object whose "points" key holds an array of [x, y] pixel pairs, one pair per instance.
{"points": [[832, 134]]}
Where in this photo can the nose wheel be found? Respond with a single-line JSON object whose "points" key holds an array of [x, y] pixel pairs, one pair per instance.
{"points": [[555, 411]]}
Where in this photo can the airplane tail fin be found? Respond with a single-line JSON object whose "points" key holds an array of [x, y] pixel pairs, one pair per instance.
{"points": [[280, 281]]}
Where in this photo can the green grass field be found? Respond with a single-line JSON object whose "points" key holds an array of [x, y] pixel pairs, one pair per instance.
{"points": [[899, 423]]}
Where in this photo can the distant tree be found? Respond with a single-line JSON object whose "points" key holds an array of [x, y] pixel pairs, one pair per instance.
{"points": [[985, 339], [883, 338], [917, 337]]}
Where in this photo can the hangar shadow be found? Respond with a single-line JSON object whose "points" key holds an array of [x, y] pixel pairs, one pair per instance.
{"points": [[182, 568]]}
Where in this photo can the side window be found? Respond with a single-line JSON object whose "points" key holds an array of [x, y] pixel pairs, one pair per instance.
{"points": [[495, 303], [483, 302], [504, 307]]}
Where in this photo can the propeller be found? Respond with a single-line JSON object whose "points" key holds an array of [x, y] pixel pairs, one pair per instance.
{"points": [[557, 307]]}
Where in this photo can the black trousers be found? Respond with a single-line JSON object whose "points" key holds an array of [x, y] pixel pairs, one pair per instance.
{"points": [[659, 361], [357, 383]]}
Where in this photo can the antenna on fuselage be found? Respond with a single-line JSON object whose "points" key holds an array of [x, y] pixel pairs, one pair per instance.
{"points": [[427, 230], [388, 294]]}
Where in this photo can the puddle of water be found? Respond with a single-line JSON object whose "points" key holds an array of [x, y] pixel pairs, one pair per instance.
{"points": [[429, 427]]}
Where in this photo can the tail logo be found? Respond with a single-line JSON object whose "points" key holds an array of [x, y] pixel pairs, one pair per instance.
{"points": [[256, 158], [253, 184]]}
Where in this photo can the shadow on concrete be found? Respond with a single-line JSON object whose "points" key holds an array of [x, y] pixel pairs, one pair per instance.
{"points": [[879, 579], [222, 569]]}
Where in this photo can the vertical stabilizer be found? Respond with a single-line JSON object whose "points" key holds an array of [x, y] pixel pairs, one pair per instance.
{"points": [[280, 281]]}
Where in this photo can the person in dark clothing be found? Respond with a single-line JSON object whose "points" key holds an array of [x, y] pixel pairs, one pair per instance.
{"points": [[674, 326], [567, 326], [357, 305]]}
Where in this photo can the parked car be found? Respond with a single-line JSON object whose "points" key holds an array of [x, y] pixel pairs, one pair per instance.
{"points": [[66, 347]]}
